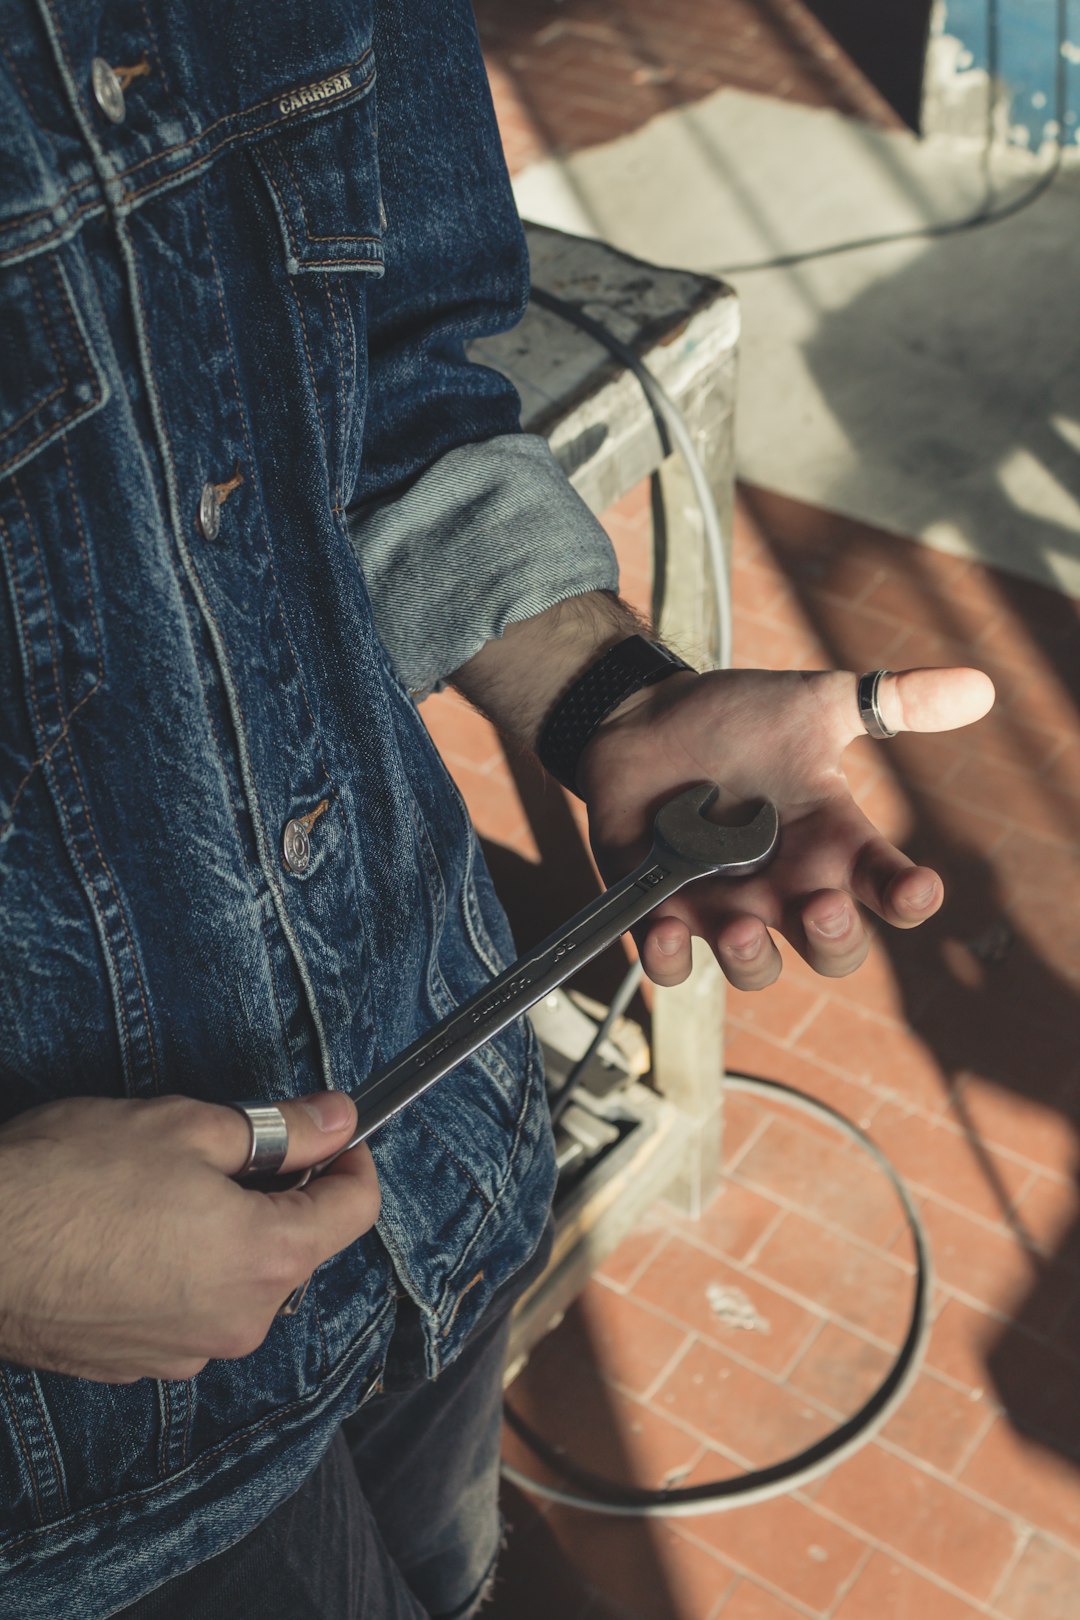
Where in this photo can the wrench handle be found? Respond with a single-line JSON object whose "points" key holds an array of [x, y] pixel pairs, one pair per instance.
{"points": [[685, 847], [485, 1014]]}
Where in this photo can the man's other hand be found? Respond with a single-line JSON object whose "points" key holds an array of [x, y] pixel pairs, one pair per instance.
{"points": [[778, 735], [128, 1252]]}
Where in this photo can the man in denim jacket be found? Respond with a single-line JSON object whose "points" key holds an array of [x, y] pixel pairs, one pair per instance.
{"points": [[254, 503]]}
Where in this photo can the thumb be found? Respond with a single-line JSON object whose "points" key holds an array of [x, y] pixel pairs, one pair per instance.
{"points": [[318, 1125], [929, 699]]}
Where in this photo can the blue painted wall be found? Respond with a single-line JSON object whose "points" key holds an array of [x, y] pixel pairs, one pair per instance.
{"points": [[1022, 42]]}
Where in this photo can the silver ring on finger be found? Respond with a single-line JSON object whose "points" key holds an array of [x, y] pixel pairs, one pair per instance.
{"points": [[269, 1136], [869, 708]]}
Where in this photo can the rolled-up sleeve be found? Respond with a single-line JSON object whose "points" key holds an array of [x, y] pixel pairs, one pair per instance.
{"points": [[461, 523], [491, 534]]}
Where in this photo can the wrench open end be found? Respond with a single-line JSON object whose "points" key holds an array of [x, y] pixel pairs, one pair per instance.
{"points": [[684, 834], [685, 846]]}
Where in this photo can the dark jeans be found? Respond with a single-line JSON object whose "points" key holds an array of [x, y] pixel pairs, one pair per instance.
{"points": [[400, 1521]]}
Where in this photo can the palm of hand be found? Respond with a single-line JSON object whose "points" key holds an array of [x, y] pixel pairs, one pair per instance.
{"points": [[778, 735]]}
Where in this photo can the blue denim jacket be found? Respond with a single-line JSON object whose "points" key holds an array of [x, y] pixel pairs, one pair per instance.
{"points": [[262, 278]]}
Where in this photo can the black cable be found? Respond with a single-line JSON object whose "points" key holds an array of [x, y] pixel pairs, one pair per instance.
{"points": [[562, 1095], [954, 227], [610, 1497], [984, 215]]}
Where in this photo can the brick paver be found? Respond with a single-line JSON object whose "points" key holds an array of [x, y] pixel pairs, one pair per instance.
{"points": [[968, 1080], [955, 1046], [572, 73]]}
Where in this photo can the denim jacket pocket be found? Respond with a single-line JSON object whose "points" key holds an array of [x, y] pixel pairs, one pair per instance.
{"points": [[51, 654], [323, 181], [50, 379]]}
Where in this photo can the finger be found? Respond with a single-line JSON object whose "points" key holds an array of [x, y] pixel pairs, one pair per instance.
{"points": [[336, 1207], [317, 1126], [747, 954], [835, 942], [666, 953], [894, 888], [888, 883], [926, 699]]}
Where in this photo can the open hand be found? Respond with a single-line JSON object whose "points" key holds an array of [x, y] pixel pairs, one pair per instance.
{"points": [[777, 735]]}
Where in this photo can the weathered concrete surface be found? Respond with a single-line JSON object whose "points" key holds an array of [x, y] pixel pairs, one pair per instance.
{"points": [[929, 386], [683, 325], [600, 425]]}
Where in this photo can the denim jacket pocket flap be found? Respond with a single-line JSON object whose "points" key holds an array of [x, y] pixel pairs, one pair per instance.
{"points": [[323, 181], [49, 376]]}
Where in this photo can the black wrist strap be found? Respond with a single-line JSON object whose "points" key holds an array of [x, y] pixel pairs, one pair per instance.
{"points": [[623, 670]]}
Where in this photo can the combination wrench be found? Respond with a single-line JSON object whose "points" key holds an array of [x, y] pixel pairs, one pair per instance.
{"points": [[685, 846]]}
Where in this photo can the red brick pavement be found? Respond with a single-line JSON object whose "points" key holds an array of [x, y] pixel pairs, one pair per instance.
{"points": [[956, 1046], [576, 73]]}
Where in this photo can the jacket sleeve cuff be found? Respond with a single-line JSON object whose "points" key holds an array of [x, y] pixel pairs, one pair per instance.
{"points": [[492, 533]]}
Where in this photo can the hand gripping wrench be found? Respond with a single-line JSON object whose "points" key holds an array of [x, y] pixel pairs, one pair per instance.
{"points": [[685, 846]]}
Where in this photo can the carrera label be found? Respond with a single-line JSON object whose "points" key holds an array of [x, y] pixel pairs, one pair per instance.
{"points": [[311, 94]]}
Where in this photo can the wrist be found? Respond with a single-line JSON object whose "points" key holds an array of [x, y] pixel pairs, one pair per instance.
{"points": [[610, 688], [519, 679]]}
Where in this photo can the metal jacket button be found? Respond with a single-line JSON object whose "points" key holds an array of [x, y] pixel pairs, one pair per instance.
{"points": [[210, 512], [108, 91], [297, 847]]}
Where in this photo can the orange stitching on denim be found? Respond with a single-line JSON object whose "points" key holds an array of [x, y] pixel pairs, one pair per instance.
{"points": [[42, 241], [65, 737], [336, 492], [336, 264], [23, 1447], [264, 170], [92, 901], [46, 322], [240, 1437], [45, 755], [48, 209], [451, 1155], [166, 1421], [17, 76], [38, 405], [84, 548], [47, 433], [43, 585], [80, 787], [69, 314], [73, 415], [457, 1303], [311, 375], [46, 1429], [347, 322], [66, 383], [265, 925], [20, 609], [81, 790], [308, 232], [152, 32], [350, 328], [269, 550], [283, 119]]}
